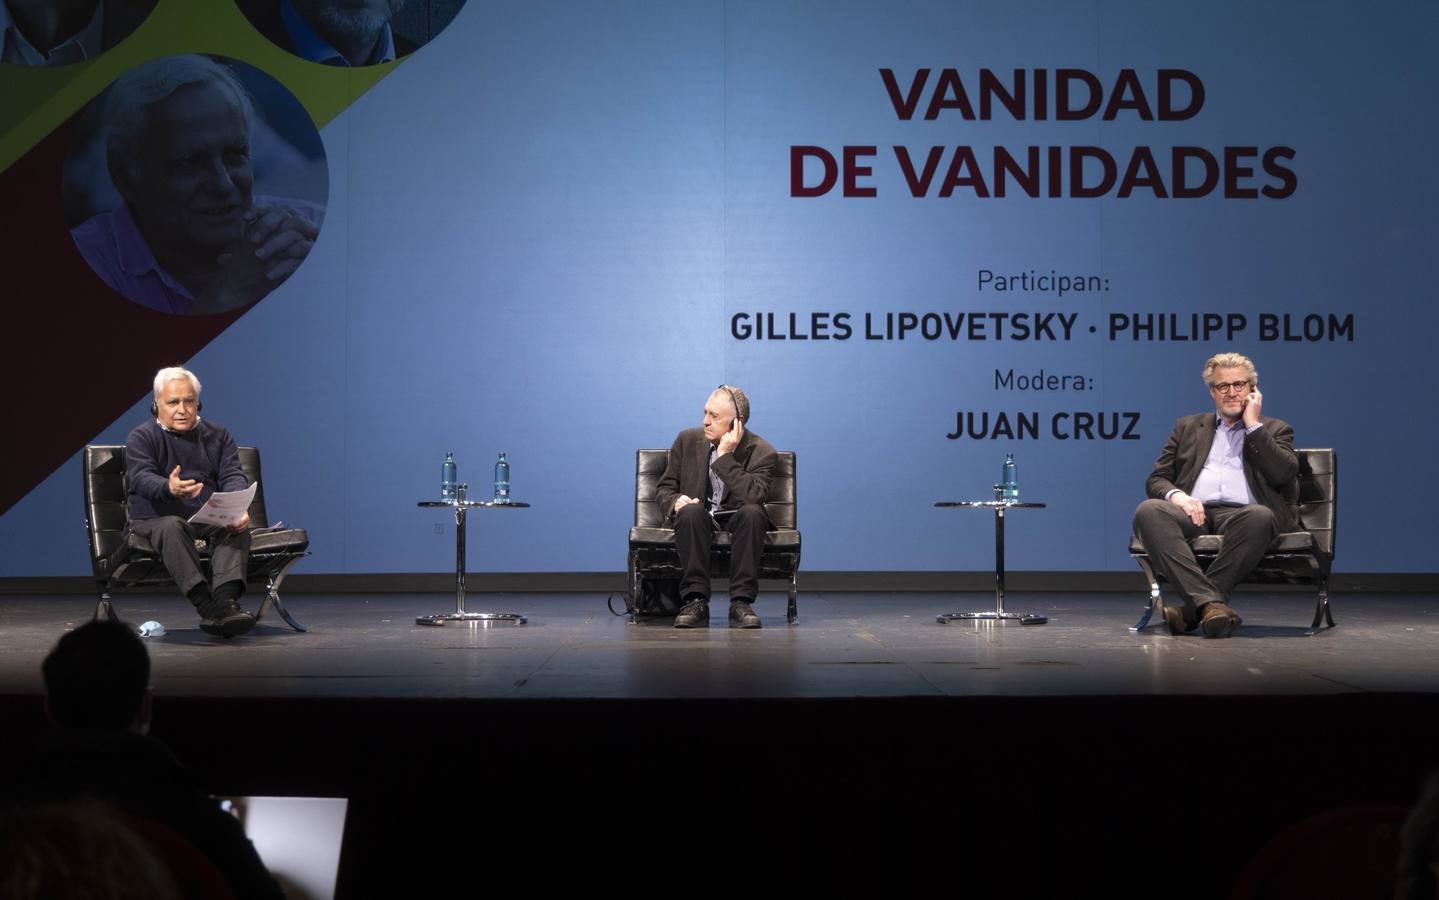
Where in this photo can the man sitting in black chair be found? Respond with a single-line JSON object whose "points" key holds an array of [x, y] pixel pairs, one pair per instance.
{"points": [[1231, 472], [173, 463], [717, 478]]}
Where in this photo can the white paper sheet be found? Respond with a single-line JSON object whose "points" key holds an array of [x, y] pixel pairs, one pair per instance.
{"points": [[225, 507]]}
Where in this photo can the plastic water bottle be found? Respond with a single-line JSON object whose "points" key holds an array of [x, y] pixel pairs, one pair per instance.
{"points": [[1009, 480], [502, 480], [448, 476]]}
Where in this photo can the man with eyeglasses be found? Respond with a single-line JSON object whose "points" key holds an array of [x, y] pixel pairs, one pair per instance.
{"points": [[717, 479], [1230, 472]]}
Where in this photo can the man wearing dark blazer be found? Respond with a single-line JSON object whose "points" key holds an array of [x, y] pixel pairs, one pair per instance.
{"points": [[1231, 472], [717, 478]]}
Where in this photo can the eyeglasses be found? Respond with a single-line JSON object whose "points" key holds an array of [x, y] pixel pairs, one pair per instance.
{"points": [[1233, 387]]}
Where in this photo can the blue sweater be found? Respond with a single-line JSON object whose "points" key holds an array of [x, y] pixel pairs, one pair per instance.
{"points": [[205, 453]]}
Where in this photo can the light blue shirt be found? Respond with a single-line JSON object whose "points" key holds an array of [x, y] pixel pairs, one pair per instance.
{"points": [[309, 44], [1222, 479], [112, 244]]}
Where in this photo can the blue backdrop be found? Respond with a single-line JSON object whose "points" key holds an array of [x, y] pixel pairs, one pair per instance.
{"points": [[542, 227]]}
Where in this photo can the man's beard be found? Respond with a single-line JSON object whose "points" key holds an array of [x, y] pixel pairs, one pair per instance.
{"points": [[355, 25]]}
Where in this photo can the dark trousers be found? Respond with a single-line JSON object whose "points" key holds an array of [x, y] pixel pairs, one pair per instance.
{"points": [[1165, 531], [174, 540], [694, 535]]}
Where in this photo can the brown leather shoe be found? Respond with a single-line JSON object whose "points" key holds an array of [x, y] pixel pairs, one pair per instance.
{"points": [[1181, 618], [1218, 620]]}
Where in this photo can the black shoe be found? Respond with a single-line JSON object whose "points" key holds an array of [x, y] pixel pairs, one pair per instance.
{"points": [[694, 614], [1218, 620], [228, 621], [1181, 619], [741, 615]]}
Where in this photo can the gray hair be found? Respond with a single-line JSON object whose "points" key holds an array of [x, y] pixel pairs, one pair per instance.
{"points": [[132, 95], [175, 373], [738, 398], [1230, 361]]}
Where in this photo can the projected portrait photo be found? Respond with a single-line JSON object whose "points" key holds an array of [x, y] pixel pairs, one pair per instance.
{"points": [[195, 185], [61, 32], [350, 32]]}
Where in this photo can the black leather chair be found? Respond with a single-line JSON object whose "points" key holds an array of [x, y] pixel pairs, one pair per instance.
{"points": [[652, 546], [124, 560], [1298, 557]]}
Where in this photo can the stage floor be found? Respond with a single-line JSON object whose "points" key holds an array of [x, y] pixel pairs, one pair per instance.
{"points": [[846, 645], [862, 747]]}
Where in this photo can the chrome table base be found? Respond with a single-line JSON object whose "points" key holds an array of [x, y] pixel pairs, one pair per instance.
{"points": [[482, 620], [997, 614]]}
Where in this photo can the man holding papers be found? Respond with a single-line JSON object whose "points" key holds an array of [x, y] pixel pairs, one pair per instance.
{"points": [[174, 463]]}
